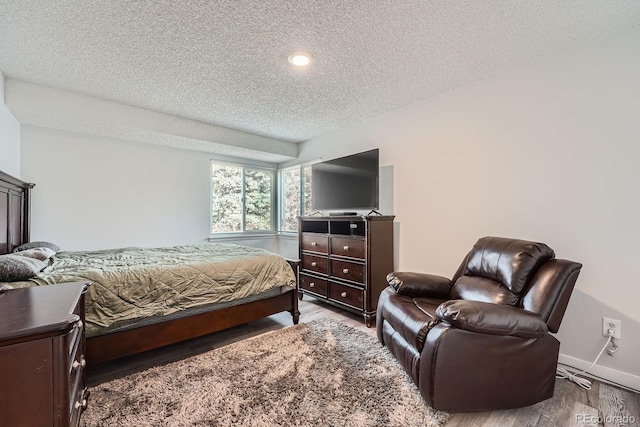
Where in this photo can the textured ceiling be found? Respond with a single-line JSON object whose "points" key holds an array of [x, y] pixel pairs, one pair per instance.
{"points": [[225, 62]]}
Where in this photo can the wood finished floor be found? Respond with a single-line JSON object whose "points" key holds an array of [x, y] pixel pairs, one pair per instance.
{"points": [[604, 403]]}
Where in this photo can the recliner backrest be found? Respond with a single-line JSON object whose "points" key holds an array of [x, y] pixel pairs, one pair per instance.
{"points": [[498, 270]]}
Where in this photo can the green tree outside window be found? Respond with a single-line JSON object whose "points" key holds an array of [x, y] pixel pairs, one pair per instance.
{"points": [[241, 198]]}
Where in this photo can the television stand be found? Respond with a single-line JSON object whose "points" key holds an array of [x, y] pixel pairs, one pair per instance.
{"points": [[373, 211], [345, 259]]}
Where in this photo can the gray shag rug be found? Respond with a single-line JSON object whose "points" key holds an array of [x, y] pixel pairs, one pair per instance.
{"points": [[323, 373]]}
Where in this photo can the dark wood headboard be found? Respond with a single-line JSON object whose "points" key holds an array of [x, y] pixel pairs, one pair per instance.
{"points": [[15, 212]]}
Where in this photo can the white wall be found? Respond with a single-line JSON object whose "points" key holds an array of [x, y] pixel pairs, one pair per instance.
{"points": [[96, 193], [9, 138], [547, 153]]}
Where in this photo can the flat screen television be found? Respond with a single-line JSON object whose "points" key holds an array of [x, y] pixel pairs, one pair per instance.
{"points": [[346, 184]]}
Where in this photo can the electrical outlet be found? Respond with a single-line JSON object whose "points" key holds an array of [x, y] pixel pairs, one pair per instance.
{"points": [[614, 324]]}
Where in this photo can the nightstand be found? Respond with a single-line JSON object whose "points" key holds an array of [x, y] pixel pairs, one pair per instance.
{"points": [[42, 347]]}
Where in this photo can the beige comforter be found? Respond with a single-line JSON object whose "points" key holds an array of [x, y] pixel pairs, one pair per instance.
{"points": [[134, 283]]}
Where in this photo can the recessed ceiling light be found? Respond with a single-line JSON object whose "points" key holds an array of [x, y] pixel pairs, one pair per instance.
{"points": [[300, 58]]}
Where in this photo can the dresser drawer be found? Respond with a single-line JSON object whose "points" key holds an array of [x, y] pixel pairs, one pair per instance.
{"points": [[78, 405], [315, 243], [347, 247], [346, 295], [347, 270], [76, 367], [74, 339], [76, 388], [313, 284], [315, 263], [75, 372]]}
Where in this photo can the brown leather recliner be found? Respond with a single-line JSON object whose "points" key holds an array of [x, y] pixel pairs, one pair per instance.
{"points": [[481, 341]]}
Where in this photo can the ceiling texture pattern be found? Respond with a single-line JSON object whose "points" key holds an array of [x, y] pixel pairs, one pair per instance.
{"points": [[224, 63]]}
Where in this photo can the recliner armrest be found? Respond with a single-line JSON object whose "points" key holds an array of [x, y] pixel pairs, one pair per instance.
{"points": [[494, 319], [419, 284]]}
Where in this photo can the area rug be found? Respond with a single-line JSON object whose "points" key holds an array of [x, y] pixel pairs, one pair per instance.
{"points": [[323, 373]]}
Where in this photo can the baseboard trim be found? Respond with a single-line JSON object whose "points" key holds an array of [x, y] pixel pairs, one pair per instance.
{"points": [[602, 373]]}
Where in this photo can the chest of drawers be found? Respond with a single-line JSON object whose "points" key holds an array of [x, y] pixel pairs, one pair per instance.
{"points": [[42, 347], [345, 259]]}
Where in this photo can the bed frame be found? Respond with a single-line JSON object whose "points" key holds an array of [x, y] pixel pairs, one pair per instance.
{"points": [[15, 202], [15, 210]]}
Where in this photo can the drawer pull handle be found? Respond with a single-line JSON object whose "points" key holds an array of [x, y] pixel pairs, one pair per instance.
{"points": [[82, 404], [343, 295], [345, 270], [76, 364], [314, 244], [314, 264], [312, 285], [346, 247]]}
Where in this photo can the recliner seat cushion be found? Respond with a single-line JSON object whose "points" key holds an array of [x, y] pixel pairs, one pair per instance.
{"points": [[480, 289]]}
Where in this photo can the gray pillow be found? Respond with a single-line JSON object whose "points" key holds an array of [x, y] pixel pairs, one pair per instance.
{"points": [[32, 245], [42, 254], [14, 268]]}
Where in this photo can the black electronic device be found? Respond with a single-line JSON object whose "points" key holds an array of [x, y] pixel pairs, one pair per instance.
{"points": [[350, 213], [346, 184]]}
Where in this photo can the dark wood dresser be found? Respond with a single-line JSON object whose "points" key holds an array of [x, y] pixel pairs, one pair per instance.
{"points": [[345, 260], [42, 349]]}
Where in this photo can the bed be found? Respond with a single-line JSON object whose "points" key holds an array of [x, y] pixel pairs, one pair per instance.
{"points": [[145, 298]]}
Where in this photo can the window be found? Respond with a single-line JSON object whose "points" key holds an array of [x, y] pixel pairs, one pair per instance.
{"points": [[242, 198], [295, 195]]}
